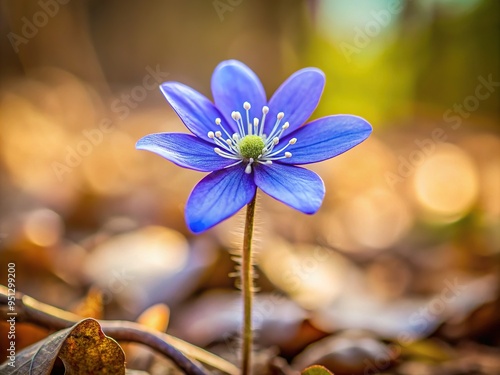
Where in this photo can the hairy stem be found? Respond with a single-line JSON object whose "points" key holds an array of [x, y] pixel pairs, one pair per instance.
{"points": [[247, 288]]}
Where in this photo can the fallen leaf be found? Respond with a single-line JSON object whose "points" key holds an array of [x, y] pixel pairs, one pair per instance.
{"points": [[83, 348], [316, 370], [155, 317], [348, 353], [88, 350]]}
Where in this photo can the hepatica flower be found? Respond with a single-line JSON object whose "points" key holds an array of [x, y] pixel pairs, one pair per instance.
{"points": [[246, 141]]}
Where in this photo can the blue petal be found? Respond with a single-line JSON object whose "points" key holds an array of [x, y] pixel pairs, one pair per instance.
{"points": [[233, 83], [184, 150], [297, 98], [195, 110], [297, 187], [325, 138], [218, 196]]}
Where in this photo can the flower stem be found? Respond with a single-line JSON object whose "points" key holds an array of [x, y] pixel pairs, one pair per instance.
{"points": [[247, 288]]}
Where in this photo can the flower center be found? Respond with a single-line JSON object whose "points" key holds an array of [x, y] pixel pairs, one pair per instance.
{"points": [[251, 147], [250, 144]]}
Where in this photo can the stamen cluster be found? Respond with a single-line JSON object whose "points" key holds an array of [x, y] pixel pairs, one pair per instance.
{"points": [[250, 144]]}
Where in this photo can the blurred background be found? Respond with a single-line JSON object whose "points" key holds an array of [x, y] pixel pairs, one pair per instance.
{"points": [[397, 272]]}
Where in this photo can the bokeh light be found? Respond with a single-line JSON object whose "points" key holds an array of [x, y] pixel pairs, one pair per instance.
{"points": [[446, 183], [409, 212]]}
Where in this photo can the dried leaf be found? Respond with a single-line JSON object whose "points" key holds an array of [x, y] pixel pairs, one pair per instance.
{"points": [[83, 348], [346, 352], [316, 370], [88, 350], [156, 317]]}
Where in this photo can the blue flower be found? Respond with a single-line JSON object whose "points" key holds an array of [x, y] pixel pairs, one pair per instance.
{"points": [[246, 141]]}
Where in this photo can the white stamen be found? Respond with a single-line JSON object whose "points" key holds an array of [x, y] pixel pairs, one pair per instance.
{"points": [[237, 117], [256, 125], [219, 123], [226, 155], [248, 168], [215, 137], [265, 111], [271, 154], [219, 142], [232, 165], [279, 117], [230, 147], [247, 107], [265, 162], [234, 146], [236, 142], [285, 126]]}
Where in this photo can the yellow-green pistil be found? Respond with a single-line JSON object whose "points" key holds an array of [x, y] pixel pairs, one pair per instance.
{"points": [[251, 147], [250, 144]]}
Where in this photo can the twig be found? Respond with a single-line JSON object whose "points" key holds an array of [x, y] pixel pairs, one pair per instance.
{"points": [[32, 311]]}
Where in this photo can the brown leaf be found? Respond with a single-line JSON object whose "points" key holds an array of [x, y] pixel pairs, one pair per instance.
{"points": [[83, 348], [316, 370], [155, 317]]}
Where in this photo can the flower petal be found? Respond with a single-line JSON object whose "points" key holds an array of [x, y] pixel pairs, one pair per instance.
{"points": [[184, 150], [297, 98], [325, 138], [195, 110], [218, 196], [297, 187], [234, 83]]}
